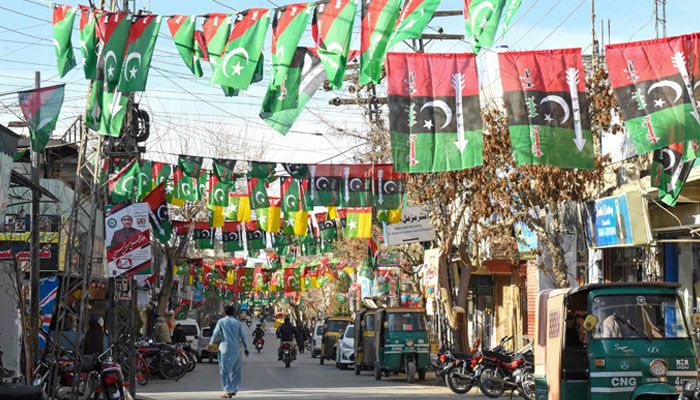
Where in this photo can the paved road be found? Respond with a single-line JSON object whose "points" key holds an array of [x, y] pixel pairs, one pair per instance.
{"points": [[266, 378]]}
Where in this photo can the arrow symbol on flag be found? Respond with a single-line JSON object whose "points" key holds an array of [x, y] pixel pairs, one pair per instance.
{"points": [[347, 185], [458, 84], [572, 79], [679, 62], [380, 175], [313, 182], [155, 221]]}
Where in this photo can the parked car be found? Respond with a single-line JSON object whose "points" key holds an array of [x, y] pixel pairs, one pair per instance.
{"points": [[345, 355], [316, 339], [204, 339], [192, 332]]}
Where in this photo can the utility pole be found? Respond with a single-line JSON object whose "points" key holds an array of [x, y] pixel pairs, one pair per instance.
{"points": [[594, 42], [660, 20], [34, 251]]}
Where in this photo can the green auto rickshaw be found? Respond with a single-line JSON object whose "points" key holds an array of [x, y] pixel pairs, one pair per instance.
{"points": [[612, 341], [333, 327], [401, 340], [364, 340]]}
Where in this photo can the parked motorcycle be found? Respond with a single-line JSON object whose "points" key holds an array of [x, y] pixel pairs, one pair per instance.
{"points": [[497, 371], [162, 360], [258, 343], [287, 354]]}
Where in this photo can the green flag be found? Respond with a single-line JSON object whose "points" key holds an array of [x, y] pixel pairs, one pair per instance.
{"points": [[218, 192], [145, 178], [115, 29], [185, 186], [481, 21], [511, 9], [202, 184], [41, 108], [223, 169], [413, 18], [125, 184], [190, 165], [669, 171], [378, 20], [285, 96], [262, 170], [257, 192], [332, 30], [142, 41], [88, 41], [63, 18], [182, 29], [113, 111], [239, 61], [161, 172], [288, 26]]}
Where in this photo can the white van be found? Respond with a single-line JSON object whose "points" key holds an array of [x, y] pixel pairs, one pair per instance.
{"points": [[192, 332], [317, 338]]}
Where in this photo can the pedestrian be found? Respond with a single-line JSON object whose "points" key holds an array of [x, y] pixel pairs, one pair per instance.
{"points": [[179, 334], [93, 342], [162, 331], [228, 333]]}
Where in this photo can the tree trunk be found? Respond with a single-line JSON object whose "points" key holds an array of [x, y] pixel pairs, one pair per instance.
{"points": [[166, 288]]}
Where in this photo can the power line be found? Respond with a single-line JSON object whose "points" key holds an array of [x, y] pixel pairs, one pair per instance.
{"points": [[560, 24]]}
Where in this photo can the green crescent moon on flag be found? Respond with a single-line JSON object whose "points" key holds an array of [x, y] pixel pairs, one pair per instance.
{"points": [[481, 19]]}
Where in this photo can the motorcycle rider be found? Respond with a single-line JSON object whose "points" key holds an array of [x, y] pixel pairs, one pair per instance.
{"points": [[259, 333], [287, 333]]}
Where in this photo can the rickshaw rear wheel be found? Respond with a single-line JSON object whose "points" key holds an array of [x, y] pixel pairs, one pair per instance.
{"points": [[358, 369], [377, 372], [321, 359], [410, 372], [421, 374]]}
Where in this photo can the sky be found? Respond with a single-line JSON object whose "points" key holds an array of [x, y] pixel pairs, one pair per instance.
{"points": [[191, 117]]}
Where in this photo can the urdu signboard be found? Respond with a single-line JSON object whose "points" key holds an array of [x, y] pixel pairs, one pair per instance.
{"points": [[617, 221]]}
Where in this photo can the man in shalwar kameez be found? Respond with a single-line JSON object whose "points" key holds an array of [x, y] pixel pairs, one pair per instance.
{"points": [[229, 334]]}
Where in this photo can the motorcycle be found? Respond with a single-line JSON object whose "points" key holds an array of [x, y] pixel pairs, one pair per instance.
{"points": [[497, 368], [458, 371], [247, 323], [258, 343], [162, 360], [287, 356]]}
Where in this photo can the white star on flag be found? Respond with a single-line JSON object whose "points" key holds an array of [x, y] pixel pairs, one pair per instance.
{"points": [[237, 69], [352, 225], [133, 72], [290, 221], [428, 124], [548, 118], [659, 103], [262, 220]]}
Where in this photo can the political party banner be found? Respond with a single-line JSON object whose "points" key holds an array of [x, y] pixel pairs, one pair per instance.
{"points": [[128, 239], [14, 240]]}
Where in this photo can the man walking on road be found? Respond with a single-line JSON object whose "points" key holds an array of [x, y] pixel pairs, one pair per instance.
{"points": [[228, 333]]}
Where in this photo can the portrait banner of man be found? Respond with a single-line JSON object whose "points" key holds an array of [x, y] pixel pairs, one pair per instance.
{"points": [[127, 237]]}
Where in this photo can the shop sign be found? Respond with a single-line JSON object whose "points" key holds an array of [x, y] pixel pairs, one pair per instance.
{"points": [[608, 224], [15, 239], [415, 227]]}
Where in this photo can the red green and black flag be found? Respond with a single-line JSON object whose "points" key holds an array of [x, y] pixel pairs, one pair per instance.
{"points": [[389, 187], [435, 116], [355, 185], [262, 170], [190, 165], [233, 236], [545, 98], [413, 18], [88, 40], [378, 20], [160, 220], [139, 51], [182, 29], [481, 19], [203, 235], [223, 169], [324, 185], [182, 228], [669, 172], [239, 59], [654, 87], [254, 236], [331, 29], [285, 95], [114, 29], [288, 26], [41, 108], [63, 18], [327, 227]]}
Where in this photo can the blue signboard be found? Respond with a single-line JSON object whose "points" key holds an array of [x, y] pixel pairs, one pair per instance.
{"points": [[607, 222], [527, 239]]}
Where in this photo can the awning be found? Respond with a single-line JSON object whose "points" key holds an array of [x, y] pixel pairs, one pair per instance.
{"points": [[21, 180]]}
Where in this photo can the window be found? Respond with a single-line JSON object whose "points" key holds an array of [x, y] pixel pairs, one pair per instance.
{"points": [[337, 325], [350, 332], [319, 330], [190, 330], [369, 322], [650, 316], [406, 322]]}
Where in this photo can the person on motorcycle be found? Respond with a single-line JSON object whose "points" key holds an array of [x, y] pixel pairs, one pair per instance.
{"points": [[247, 320], [259, 333], [287, 333]]}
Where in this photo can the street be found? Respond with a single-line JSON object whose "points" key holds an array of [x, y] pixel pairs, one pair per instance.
{"points": [[266, 378]]}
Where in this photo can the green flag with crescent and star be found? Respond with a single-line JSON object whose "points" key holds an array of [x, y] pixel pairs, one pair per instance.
{"points": [[288, 26], [215, 29], [88, 41], [218, 191], [190, 165], [239, 60], [125, 184], [331, 30], [41, 108], [481, 18], [182, 30], [115, 29], [185, 186], [378, 20], [511, 9], [137, 61], [145, 178], [202, 183], [257, 192], [63, 18], [413, 19]]}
